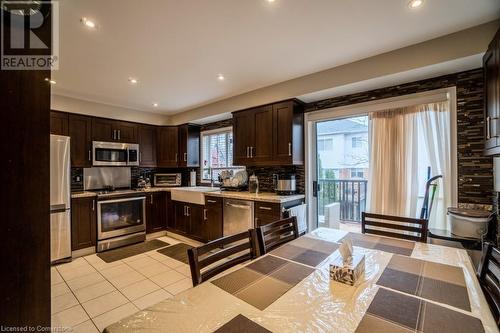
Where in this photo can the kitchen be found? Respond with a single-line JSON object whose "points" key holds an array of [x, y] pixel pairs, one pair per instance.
{"points": [[188, 192], [127, 166]]}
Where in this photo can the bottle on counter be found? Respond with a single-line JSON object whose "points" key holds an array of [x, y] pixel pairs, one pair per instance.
{"points": [[253, 184]]}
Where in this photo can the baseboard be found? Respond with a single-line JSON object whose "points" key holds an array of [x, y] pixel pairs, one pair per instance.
{"points": [[83, 252], [157, 234]]}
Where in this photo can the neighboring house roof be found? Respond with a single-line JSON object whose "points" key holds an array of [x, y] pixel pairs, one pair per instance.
{"points": [[340, 126]]}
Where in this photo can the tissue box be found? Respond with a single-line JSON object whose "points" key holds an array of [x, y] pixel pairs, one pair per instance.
{"points": [[347, 273]]}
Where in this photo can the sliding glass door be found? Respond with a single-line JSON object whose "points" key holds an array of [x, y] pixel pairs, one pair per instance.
{"points": [[342, 166]]}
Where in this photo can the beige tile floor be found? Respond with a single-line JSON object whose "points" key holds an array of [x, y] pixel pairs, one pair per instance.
{"points": [[89, 294]]}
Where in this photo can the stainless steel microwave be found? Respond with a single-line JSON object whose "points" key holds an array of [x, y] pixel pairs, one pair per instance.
{"points": [[114, 154]]}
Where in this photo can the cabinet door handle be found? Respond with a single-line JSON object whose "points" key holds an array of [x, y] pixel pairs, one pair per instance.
{"points": [[265, 208], [176, 157], [140, 156], [488, 127], [251, 152], [248, 155], [185, 157], [188, 209], [205, 214], [114, 134], [289, 149], [119, 134], [151, 199], [90, 155], [93, 205], [185, 214]]}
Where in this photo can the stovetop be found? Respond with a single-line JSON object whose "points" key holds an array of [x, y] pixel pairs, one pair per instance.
{"points": [[119, 192]]}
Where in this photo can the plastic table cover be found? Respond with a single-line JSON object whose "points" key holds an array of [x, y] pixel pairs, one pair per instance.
{"points": [[316, 304]]}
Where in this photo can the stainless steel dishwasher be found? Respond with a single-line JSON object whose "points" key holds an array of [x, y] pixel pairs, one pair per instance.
{"points": [[238, 216]]}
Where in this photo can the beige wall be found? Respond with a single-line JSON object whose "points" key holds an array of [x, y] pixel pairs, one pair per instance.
{"points": [[73, 105], [458, 45]]}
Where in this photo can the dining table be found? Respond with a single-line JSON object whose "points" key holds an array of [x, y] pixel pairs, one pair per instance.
{"points": [[405, 287]]}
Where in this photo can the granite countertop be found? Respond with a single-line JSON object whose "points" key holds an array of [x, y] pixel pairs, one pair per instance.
{"points": [[83, 194], [264, 197]]}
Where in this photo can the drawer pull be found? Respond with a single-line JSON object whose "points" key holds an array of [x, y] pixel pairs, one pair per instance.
{"points": [[265, 208], [211, 201]]}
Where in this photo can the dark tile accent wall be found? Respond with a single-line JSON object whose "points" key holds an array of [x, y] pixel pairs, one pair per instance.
{"points": [[495, 234], [265, 176], [475, 178]]}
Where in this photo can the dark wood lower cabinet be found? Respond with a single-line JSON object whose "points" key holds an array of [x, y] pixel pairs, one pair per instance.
{"points": [[156, 212], [83, 223], [213, 218], [268, 212], [189, 220]]}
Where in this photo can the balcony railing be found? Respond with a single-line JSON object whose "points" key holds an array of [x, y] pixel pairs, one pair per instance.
{"points": [[351, 194]]}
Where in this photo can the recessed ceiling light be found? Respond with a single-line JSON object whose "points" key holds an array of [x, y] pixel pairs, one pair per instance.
{"points": [[88, 23], [270, 0], [415, 3], [220, 77], [132, 80], [155, 105], [50, 81]]}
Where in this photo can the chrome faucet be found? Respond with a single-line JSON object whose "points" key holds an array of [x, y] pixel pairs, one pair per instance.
{"points": [[211, 177]]}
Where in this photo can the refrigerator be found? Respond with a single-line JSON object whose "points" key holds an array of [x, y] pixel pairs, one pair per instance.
{"points": [[60, 199]]}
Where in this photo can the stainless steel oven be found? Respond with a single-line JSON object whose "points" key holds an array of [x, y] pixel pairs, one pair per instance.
{"points": [[120, 221], [114, 154]]}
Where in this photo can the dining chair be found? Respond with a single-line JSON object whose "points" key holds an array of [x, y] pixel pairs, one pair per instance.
{"points": [[395, 226], [274, 234], [214, 257], [488, 274]]}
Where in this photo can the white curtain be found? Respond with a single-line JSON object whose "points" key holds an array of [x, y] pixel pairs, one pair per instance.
{"points": [[434, 122], [392, 180]]}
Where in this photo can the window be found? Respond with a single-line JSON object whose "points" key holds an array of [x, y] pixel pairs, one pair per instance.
{"points": [[357, 173], [217, 153], [325, 144], [357, 142]]}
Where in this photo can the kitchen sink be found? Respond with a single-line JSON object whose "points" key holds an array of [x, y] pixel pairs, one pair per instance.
{"points": [[195, 195]]}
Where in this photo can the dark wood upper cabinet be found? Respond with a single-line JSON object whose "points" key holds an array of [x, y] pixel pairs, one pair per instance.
{"points": [[102, 130], [147, 145], [189, 146], [126, 132], [83, 223], [80, 132], [491, 67], [269, 135], [167, 151], [156, 211], [261, 151], [242, 137], [112, 130], [58, 123], [288, 121]]}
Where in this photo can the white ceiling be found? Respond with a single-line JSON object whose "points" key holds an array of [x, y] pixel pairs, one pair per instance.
{"points": [[176, 48]]}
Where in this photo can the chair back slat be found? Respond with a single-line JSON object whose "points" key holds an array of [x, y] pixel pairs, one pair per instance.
{"points": [[201, 257], [277, 233], [371, 224], [489, 278]]}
